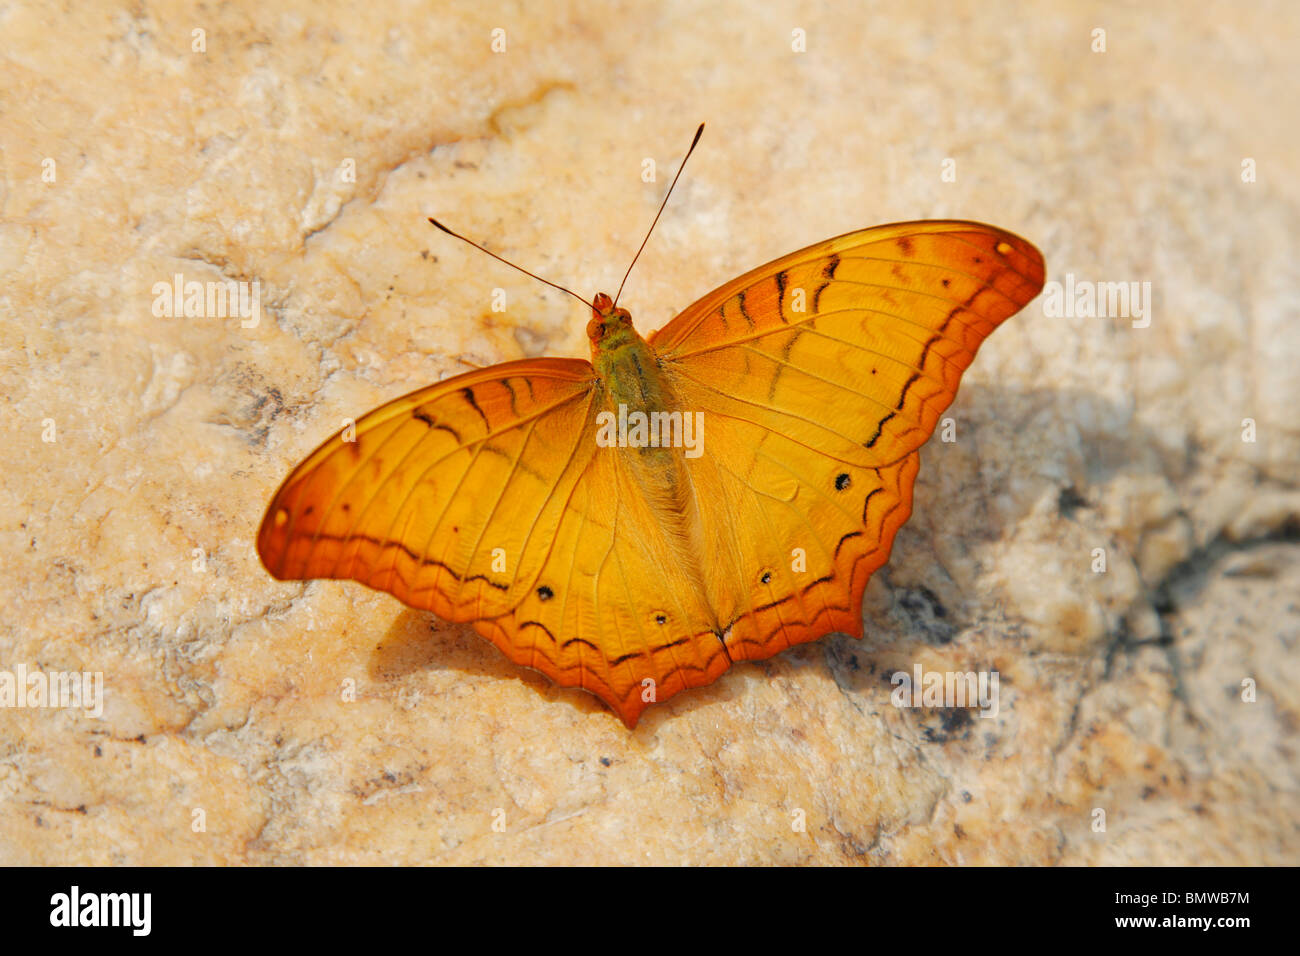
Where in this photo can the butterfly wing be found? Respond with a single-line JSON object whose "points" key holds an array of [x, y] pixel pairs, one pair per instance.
{"points": [[485, 498], [449, 497], [820, 375]]}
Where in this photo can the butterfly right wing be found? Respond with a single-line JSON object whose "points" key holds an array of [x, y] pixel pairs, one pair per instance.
{"points": [[864, 337]]}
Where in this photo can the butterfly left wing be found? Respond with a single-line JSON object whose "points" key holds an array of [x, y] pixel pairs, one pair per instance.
{"points": [[820, 376], [486, 499]]}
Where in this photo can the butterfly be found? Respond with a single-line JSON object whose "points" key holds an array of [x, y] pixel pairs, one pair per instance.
{"points": [[717, 492]]}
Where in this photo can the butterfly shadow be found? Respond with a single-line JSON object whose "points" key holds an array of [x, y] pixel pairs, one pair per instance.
{"points": [[420, 641], [1018, 452]]}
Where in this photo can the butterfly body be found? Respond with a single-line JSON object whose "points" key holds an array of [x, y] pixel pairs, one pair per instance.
{"points": [[631, 386], [718, 492]]}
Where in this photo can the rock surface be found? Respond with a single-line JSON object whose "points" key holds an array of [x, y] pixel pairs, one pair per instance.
{"points": [[302, 148]]}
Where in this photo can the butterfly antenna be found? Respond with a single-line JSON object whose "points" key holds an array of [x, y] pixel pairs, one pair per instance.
{"points": [[698, 133], [511, 264]]}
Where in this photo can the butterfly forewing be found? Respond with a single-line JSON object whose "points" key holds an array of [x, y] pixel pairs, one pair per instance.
{"points": [[448, 498], [857, 344]]}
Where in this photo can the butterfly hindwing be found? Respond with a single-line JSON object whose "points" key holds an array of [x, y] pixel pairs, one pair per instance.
{"points": [[814, 531], [613, 610]]}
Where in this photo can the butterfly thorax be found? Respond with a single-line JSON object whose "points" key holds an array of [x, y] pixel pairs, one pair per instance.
{"points": [[624, 362]]}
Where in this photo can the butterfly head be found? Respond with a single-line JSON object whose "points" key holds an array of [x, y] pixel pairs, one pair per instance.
{"points": [[609, 326]]}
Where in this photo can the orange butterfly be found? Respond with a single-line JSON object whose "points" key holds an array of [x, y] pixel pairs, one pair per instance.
{"points": [[635, 524]]}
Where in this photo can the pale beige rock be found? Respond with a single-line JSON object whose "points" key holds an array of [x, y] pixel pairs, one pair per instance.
{"points": [[226, 736]]}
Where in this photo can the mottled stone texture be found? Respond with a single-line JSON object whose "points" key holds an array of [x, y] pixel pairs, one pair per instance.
{"points": [[126, 543]]}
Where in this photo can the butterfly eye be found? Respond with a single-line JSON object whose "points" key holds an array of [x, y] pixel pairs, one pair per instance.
{"points": [[595, 330]]}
